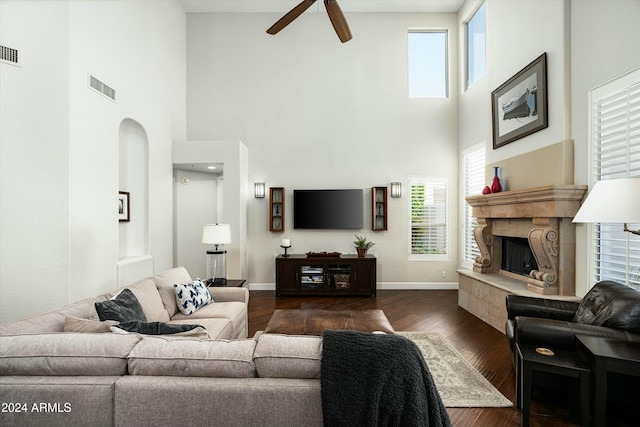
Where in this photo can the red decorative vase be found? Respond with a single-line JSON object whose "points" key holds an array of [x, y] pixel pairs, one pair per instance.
{"points": [[495, 186]]}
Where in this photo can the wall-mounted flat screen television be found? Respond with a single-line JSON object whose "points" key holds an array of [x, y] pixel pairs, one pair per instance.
{"points": [[327, 209]]}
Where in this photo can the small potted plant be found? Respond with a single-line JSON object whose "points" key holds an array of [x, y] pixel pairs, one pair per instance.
{"points": [[362, 245]]}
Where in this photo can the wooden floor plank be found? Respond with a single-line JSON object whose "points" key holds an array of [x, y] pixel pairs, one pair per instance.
{"points": [[432, 311]]}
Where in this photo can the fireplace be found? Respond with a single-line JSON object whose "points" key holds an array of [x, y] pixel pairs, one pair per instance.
{"points": [[538, 218], [517, 256]]}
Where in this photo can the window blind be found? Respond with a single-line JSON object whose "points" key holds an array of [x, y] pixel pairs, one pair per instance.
{"points": [[473, 165], [429, 219], [615, 153]]}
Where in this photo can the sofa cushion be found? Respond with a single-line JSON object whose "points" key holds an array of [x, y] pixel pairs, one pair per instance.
{"points": [[65, 354], [234, 311], [149, 298], [124, 307], [155, 356], [216, 328], [51, 321], [76, 324], [611, 305], [164, 283], [288, 356], [190, 297]]}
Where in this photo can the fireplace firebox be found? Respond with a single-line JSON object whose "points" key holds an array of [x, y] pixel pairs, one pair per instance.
{"points": [[517, 256]]}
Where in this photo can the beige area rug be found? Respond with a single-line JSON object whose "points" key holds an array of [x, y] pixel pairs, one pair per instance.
{"points": [[459, 383]]}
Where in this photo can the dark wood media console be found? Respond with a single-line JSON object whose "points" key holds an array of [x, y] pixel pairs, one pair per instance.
{"points": [[325, 275]]}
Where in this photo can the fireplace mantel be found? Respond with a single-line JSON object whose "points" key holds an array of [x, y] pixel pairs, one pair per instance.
{"points": [[543, 216], [560, 201]]}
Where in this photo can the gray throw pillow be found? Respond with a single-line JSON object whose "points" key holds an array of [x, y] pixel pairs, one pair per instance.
{"points": [[124, 307]]}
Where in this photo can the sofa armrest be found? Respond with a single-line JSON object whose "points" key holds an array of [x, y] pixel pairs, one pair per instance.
{"points": [[518, 305], [559, 334], [222, 294]]}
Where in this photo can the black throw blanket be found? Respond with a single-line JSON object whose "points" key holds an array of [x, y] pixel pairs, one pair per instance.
{"points": [[154, 328], [377, 380]]}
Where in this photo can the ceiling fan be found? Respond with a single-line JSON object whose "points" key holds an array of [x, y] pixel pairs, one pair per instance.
{"points": [[333, 10]]}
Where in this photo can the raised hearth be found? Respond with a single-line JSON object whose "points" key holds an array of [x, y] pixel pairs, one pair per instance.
{"points": [[543, 216]]}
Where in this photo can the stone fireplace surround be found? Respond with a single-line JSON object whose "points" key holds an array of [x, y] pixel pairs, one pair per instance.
{"points": [[543, 216]]}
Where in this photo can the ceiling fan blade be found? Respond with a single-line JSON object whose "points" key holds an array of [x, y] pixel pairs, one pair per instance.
{"points": [[290, 16], [338, 20]]}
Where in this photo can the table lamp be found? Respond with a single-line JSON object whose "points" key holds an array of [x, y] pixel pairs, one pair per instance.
{"points": [[216, 234], [612, 201]]}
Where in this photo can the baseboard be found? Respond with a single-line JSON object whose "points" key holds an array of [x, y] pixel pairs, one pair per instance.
{"points": [[406, 286], [401, 286], [261, 286]]}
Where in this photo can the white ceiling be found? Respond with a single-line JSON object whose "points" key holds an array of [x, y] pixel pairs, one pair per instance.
{"points": [[282, 6]]}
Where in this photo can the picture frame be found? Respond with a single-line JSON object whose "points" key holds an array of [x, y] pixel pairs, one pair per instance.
{"points": [[123, 206], [519, 106]]}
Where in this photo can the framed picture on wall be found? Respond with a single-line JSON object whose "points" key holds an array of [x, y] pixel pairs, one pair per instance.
{"points": [[519, 106], [123, 206]]}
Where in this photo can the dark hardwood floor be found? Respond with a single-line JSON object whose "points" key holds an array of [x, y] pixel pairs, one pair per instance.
{"points": [[433, 311]]}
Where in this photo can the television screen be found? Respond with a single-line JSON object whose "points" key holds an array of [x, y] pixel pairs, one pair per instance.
{"points": [[332, 209]]}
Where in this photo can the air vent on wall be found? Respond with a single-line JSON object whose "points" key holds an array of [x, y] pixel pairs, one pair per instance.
{"points": [[9, 55], [102, 88]]}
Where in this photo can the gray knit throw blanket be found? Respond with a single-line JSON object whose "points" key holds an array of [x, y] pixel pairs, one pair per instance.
{"points": [[377, 380]]}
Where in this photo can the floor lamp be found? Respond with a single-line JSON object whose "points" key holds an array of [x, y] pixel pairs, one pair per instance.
{"points": [[216, 234], [612, 201]]}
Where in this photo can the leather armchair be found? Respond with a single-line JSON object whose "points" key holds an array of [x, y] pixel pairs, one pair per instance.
{"points": [[609, 310]]}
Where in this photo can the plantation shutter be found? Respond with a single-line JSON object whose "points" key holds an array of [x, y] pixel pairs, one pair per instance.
{"points": [[473, 164], [429, 215], [615, 135]]}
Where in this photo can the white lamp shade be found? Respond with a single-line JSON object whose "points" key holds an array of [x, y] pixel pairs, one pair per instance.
{"points": [[613, 201], [216, 234]]}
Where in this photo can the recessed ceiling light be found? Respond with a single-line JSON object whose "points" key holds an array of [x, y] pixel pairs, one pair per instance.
{"points": [[211, 167]]}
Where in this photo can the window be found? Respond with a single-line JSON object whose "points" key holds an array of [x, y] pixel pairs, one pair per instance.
{"points": [[473, 165], [476, 46], [615, 153], [427, 53], [429, 220]]}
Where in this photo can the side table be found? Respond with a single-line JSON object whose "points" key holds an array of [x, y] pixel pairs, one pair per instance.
{"points": [[606, 355], [231, 283], [561, 363]]}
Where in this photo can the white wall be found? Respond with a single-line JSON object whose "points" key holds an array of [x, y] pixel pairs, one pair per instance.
{"points": [[514, 39], [148, 73], [60, 140], [34, 158], [604, 45], [315, 113]]}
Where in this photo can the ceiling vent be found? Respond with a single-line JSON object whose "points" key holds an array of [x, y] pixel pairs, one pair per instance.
{"points": [[9, 55], [102, 88]]}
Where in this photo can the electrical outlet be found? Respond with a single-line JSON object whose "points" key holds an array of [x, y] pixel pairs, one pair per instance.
{"points": [[443, 274]]}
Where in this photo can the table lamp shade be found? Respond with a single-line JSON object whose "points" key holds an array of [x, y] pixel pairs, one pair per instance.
{"points": [[612, 201], [216, 234]]}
